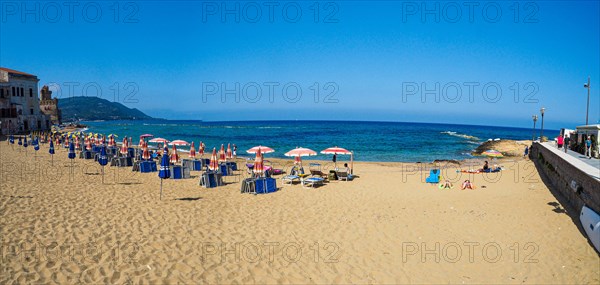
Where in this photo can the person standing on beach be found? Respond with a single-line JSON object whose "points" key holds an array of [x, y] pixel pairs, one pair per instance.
{"points": [[526, 152], [234, 151], [566, 144], [588, 146]]}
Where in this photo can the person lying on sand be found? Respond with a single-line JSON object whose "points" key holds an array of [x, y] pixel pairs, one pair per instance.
{"points": [[447, 185], [467, 184]]}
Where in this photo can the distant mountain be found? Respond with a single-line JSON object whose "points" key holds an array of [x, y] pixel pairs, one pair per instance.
{"points": [[94, 108]]}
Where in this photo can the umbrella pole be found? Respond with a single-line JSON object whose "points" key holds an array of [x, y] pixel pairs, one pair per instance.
{"points": [[102, 174], [52, 159], [351, 162], [161, 188]]}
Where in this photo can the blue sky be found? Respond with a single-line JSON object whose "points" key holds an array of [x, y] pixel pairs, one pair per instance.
{"points": [[369, 60]]}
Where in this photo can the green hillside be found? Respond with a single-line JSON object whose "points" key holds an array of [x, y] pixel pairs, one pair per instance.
{"points": [[94, 108]]}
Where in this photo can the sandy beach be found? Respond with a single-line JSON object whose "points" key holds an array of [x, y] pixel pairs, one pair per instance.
{"points": [[61, 225]]}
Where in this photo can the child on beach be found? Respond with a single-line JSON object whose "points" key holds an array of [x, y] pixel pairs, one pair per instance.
{"points": [[447, 185], [467, 184]]}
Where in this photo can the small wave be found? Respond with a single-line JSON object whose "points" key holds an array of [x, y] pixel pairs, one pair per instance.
{"points": [[455, 134]]}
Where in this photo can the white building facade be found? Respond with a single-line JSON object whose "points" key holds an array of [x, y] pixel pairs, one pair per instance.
{"points": [[20, 103]]}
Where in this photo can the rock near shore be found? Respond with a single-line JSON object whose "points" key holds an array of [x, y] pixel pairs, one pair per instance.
{"points": [[510, 148]]}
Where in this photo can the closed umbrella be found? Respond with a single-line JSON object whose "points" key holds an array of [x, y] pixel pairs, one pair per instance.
{"points": [[222, 154], [88, 144], [102, 160], [20, 141], [25, 144], [145, 153], [165, 171], [71, 154], [229, 154], [36, 146], [124, 147], [11, 140], [77, 145], [258, 163], [51, 151], [214, 164], [201, 148], [192, 151], [174, 155]]}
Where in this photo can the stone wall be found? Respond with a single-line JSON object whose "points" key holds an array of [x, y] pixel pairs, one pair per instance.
{"points": [[573, 184]]}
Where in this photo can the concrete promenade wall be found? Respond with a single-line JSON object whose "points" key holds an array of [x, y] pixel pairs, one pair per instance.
{"points": [[576, 185]]}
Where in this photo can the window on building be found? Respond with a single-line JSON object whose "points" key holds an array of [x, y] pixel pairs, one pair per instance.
{"points": [[30, 92], [13, 91], [22, 93], [31, 111]]}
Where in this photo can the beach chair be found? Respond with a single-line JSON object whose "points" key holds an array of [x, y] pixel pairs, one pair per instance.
{"points": [[343, 175], [290, 179], [312, 182], [434, 176]]}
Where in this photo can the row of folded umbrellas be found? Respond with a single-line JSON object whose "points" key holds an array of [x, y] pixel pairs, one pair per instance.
{"points": [[73, 142]]}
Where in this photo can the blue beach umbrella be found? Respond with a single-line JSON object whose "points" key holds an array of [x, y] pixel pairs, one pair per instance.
{"points": [[164, 172], [20, 142], [36, 144], [25, 144], [12, 139], [51, 152], [71, 150], [103, 160]]}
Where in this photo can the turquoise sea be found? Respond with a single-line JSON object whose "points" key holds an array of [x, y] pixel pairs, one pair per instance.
{"points": [[370, 141]]}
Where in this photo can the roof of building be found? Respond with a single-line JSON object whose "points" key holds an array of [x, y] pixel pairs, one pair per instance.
{"points": [[16, 71]]}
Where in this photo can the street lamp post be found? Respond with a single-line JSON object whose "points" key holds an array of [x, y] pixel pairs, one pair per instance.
{"points": [[587, 111], [534, 117], [542, 110]]}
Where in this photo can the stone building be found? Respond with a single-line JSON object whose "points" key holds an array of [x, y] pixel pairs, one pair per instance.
{"points": [[49, 106], [19, 103]]}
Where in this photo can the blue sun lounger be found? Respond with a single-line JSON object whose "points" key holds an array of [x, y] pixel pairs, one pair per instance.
{"points": [[434, 176]]}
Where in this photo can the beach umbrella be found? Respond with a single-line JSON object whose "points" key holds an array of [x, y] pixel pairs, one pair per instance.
{"points": [[298, 152], [103, 160], [263, 149], [178, 142], [141, 144], [77, 145], [338, 150], [158, 140], [20, 141], [213, 165], [103, 141], [192, 151], [174, 155], [11, 140], [124, 147], [71, 150], [222, 154], [229, 154], [258, 163], [165, 171], [25, 144], [88, 144], [51, 151], [201, 148], [145, 153], [492, 153], [36, 144]]}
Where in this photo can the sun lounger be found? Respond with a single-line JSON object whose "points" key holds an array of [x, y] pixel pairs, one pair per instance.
{"points": [[290, 179], [312, 181]]}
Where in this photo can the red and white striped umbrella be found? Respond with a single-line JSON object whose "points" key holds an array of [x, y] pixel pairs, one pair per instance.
{"points": [[263, 149], [229, 154], [111, 141], [214, 164], [201, 148], [298, 152], [222, 154], [178, 142], [258, 163], [192, 151], [77, 145], [124, 146], [174, 155], [158, 140], [141, 144], [145, 153], [335, 150], [103, 140], [88, 144]]}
